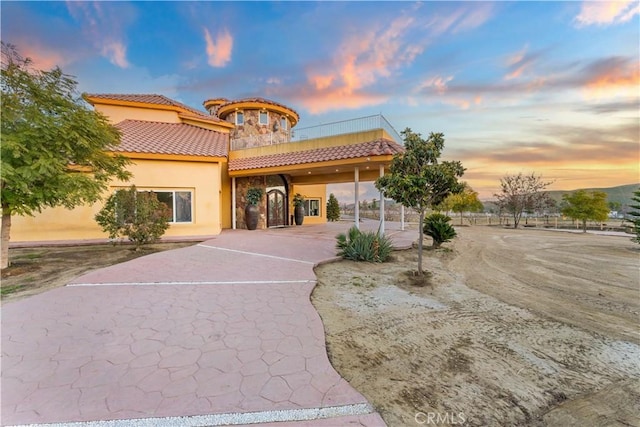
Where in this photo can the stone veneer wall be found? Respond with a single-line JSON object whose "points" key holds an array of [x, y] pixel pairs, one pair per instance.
{"points": [[242, 185], [257, 135]]}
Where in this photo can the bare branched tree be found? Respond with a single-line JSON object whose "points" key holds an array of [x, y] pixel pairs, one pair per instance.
{"points": [[521, 193]]}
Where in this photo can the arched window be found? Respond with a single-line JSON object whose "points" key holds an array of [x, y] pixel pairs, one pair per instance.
{"points": [[284, 123], [239, 118]]}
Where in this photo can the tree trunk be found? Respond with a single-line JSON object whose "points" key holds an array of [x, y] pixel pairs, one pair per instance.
{"points": [[420, 224], [461, 218], [584, 225], [6, 228]]}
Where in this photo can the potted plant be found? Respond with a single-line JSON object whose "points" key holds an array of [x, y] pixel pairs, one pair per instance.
{"points": [[298, 208], [251, 211]]}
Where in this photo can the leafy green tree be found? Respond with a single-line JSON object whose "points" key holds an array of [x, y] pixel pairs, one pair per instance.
{"points": [[137, 215], [521, 193], [583, 206], [438, 228], [465, 201], [54, 148], [634, 213], [333, 208], [614, 206], [417, 178]]}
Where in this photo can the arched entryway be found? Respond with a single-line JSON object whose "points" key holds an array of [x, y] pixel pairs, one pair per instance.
{"points": [[277, 206]]}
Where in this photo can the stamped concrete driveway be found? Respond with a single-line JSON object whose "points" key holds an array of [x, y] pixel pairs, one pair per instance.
{"points": [[218, 333]]}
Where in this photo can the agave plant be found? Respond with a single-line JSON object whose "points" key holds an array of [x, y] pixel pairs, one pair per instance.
{"points": [[363, 246]]}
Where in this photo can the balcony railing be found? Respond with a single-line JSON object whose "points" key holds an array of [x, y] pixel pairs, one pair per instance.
{"points": [[346, 126], [361, 124]]}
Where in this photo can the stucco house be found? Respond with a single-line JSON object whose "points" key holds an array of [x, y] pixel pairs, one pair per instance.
{"points": [[202, 163]]}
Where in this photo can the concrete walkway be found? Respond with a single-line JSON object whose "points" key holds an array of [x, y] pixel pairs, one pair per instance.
{"points": [[220, 333]]}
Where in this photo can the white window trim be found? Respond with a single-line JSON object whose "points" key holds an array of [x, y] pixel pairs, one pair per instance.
{"points": [[284, 123], [236, 118], [319, 199], [260, 116], [174, 198]]}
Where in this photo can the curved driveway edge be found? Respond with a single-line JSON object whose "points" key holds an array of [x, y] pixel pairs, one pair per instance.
{"points": [[223, 328]]}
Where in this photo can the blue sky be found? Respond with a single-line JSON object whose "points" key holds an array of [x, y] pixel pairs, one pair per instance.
{"points": [[545, 87]]}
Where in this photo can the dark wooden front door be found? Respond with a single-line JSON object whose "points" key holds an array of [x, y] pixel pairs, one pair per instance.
{"points": [[276, 212]]}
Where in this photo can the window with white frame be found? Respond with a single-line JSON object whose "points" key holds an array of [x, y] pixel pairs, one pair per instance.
{"points": [[284, 123], [312, 207], [263, 118], [179, 203], [239, 117]]}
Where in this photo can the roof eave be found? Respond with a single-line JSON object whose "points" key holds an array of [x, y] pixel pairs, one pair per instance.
{"points": [[172, 157]]}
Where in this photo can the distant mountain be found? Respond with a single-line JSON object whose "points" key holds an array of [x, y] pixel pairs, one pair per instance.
{"points": [[621, 194]]}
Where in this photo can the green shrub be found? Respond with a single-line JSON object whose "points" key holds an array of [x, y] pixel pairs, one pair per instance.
{"points": [[333, 208], [137, 215], [363, 246], [438, 228], [254, 195]]}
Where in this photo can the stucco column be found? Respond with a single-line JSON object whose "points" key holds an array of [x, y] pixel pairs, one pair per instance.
{"points": [[381, 231], [356, 211], [402, 217], [233, 203]]}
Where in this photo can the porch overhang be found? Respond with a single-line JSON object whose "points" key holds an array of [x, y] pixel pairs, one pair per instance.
{"points": [[328, 164], [324, 172]]}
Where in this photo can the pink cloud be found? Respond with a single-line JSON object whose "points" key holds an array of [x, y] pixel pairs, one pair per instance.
{"points": [[116, 52], [475, 17], [438, 83], [520, 62], [607, 12], [361, 61], [461, 19], [104, 28], [333, 99], [218, 50], [43, 58], [611, 77]]}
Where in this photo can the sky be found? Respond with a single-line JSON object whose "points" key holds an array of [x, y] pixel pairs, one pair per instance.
{"points": [[545, 87]]}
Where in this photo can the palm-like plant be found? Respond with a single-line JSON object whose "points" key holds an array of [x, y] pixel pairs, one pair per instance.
{"points": [[438, 228]]}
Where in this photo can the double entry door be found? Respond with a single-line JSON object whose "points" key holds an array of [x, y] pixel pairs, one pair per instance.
{"points": [[276, 208]]}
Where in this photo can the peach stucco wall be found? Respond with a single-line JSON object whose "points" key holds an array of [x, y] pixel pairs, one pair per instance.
{"points": [[203, 179], [318, 191], [117, 113]]}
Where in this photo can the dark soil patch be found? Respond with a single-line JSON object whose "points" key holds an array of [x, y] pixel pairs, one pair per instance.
{"points": [[35, 270]]}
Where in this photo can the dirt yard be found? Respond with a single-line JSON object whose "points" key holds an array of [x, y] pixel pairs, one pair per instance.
{"points": [[35, 270], [516, 327]]}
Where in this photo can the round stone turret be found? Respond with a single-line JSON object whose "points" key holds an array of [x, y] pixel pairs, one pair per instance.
{"points": [[258, 121]]}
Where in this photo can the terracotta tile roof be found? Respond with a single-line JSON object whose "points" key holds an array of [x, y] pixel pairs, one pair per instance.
{"points": [[378, 147], [256, 99], [171, 138], [261, 100], [153, 99]]}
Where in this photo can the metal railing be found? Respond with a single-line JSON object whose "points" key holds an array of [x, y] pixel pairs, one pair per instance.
{"points": [[360, 124], [252, 141]]}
